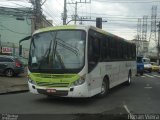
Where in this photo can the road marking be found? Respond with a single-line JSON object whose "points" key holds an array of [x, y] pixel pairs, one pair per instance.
{"points": [[151, 76], [126, 108], [128, 111], [148, 75], [148, 87], [143, 76], [156, 76]]}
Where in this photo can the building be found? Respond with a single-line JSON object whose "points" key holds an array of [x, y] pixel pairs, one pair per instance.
{"points": [[15, 24]]}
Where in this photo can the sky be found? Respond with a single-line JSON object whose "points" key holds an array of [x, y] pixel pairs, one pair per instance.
{"points": [[121, 15]]}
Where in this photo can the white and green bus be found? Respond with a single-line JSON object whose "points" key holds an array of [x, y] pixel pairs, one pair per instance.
{"points": [[78, 61]]}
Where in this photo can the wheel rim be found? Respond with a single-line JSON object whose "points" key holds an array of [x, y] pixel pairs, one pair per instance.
{"points": [[129, 79], [103, 88], [9, 73]]}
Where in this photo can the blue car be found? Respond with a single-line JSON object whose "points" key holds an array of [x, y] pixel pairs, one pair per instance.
{"points": [[140, 65]]}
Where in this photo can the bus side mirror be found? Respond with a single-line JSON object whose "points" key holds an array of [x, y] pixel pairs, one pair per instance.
{"points": [[20, 50], [20, 46]]}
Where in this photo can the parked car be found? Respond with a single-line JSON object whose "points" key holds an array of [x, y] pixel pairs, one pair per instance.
{"points": [[147, 65], [155, 66], [10, 65], [23, 60]]}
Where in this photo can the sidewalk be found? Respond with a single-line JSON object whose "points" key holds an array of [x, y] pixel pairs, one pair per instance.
{"points": [[13, 84]]}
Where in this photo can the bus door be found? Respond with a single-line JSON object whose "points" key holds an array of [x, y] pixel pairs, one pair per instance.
{"points": [[94, 69]]}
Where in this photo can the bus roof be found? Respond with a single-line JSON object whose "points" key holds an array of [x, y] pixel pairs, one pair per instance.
{"points": [[81, 27]]}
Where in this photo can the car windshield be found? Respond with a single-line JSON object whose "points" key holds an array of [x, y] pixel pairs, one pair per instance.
{"points": [[57, 50], [139, 60], [146, 61]]}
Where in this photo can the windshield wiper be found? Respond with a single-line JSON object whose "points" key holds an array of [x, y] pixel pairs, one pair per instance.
{"points": [[53, 52], [48, 51], [67, 46], [60, 60]]}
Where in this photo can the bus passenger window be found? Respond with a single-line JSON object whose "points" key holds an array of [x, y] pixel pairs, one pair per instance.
{"points": [[94, 49]]}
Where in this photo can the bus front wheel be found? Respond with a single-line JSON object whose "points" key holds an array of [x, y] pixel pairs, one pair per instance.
{"points": [[104, 88]]}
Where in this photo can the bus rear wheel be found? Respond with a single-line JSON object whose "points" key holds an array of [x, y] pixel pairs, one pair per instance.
{"points": [[104, 88], [128, 82], [141, 73]]}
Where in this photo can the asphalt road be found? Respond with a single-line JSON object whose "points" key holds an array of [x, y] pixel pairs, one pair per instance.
{"points": [[141, 97], [13, 84]]}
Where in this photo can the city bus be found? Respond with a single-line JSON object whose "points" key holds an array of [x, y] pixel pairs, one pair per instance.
{"points": [[78, 61]]}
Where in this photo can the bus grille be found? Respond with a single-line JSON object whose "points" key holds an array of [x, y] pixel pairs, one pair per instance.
{"points": [[53, 76], [52, 84]]}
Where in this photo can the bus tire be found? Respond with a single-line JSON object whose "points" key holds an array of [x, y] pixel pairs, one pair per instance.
{"points": [[128, 82], [104, 88], [141, 73]]}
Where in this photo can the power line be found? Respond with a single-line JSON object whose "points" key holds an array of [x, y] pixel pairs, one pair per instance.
{"points": [[13, 31], [50, 13], [43, 2], [21, 5], [127, 1], [49, 16], [59, 3]]}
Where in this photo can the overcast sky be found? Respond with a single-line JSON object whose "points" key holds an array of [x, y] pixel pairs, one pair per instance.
{"points": [[122, 15]]}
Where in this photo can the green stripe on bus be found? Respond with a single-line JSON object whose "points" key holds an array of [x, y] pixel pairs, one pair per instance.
{"points": [[54, 80], [57, 28]]}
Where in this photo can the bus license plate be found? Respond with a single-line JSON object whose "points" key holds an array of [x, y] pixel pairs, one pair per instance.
{"points": [[51, 90]]}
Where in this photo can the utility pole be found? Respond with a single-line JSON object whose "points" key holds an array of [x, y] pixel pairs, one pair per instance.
{"points": [[64, 16], [75, 16], [144, 34], [37, 13], [139, 42], [76, 4], [144, 28], [158, 46], [153, 23], [153, 37]]}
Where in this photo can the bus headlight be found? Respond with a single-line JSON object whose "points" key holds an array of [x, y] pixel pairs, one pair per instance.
{"points": [[31, 81], [79, 81]]}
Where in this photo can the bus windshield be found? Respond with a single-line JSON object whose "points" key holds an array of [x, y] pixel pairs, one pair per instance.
{"points": [[57, 50]]}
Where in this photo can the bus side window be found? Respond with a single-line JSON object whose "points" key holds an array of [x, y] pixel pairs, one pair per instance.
{"points": [[104, 48], [94, 49]]}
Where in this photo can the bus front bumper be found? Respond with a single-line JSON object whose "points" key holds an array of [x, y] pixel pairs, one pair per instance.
{"points": [[75, 91]]}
